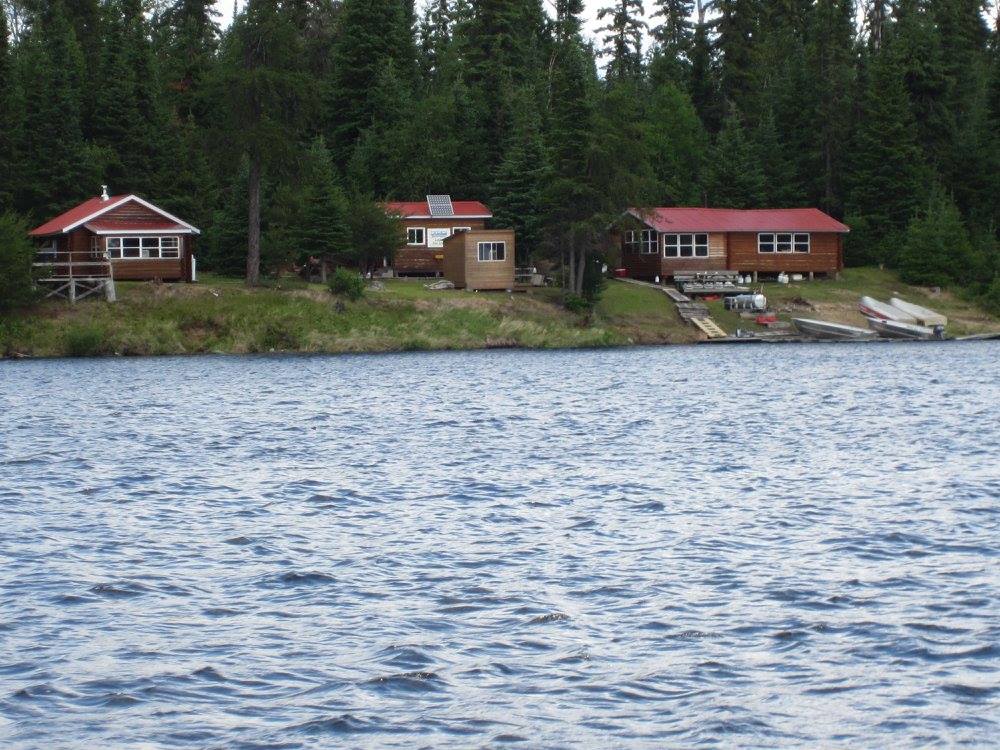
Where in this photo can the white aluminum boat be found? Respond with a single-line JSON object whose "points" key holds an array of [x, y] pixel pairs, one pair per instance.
{"points": [[893, 329], [872, 308], [924, 316], [822, 329]]}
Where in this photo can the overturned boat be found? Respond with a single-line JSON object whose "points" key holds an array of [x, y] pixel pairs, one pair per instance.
{"points": [[893, 329], [822, 329], [923, 315], [872, 308]]}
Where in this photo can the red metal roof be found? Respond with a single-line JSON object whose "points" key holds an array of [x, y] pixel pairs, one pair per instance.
{"points": [[738, 220], [420, 209], [92, 208], [63, 220], [100, 225]]}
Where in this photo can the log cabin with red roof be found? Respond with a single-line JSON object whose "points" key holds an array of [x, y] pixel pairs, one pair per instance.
{"points": [[428, 223], [662, 242], [138, 239]]}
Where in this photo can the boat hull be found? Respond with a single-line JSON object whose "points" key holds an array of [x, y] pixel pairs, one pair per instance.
{"points": [[893, 329], [872, 308], [924, 316], [822, 329]]}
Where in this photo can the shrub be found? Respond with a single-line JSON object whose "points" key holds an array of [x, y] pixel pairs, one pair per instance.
{"points": [[991, 300], [576, 304], [85, 340], [17, 288], [936, 249], [346, 283]]}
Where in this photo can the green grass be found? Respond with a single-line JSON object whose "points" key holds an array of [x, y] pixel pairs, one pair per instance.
{"points": [[220, 314]]}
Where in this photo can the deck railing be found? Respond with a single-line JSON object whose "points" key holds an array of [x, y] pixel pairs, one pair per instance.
{"points": [[75, 274]]}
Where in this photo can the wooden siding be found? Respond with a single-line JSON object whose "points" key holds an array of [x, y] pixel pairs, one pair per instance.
{"points": [[464, 269], [824, 255], [423, 259], [132, 211], [142, 269]]}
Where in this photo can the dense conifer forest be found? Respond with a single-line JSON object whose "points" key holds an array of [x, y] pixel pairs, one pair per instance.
{"points": [[280, 132]]}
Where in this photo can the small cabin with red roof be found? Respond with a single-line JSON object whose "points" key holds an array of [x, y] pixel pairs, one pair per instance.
{"points": [[428, 223], [667, 241], [140, 240]]}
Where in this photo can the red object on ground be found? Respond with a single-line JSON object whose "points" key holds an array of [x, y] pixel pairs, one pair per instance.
{"points": [[621, 272], [763, 320], [711, 297]]}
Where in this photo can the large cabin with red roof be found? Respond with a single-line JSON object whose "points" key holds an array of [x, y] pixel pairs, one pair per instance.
{"points": [[428, 223], [140, 240], [662, 242]]}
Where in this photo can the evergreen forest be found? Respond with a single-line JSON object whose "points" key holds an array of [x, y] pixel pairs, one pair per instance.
{"points": [[279, 134]]}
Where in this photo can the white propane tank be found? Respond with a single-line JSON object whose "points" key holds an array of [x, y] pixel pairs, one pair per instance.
{"points": [[759, 302], [782, 278]]}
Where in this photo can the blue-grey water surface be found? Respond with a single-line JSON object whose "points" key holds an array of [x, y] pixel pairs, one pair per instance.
{"points": [[674, 547]]}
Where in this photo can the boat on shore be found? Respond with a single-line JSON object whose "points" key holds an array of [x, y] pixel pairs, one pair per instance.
{"points": [[923, 315], [872, 308], [894, 329], [822, 329]]}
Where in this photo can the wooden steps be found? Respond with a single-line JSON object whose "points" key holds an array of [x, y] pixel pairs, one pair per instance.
{"points": [[709, 327]]}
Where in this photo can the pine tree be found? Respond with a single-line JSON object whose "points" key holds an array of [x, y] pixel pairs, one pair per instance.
{"points": [[936, 249], [887, 170], [516, 193], [62, 169], [264, 96], [736, 176], [623, 39], [674, 36], [738, 26], [10, 120], [679, 146], [704, 86], [189, 38], [372, 33], [129, 119]]}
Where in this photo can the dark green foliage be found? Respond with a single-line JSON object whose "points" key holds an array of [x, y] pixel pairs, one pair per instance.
{"points": [[737, 177], [888, 174], [623, 39], [679, 147], [375, 235], [16, 254], [347, 282], [937, 250]]}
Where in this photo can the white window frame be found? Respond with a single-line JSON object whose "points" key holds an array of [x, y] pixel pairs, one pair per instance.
{"points": [[49, 247], [630, 242], [648, 243], [423, 236], [115, 247], [675, 242], [492, 246], [784, 242]]}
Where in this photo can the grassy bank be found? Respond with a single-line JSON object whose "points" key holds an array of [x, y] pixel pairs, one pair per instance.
{"points": [[220, 315]]}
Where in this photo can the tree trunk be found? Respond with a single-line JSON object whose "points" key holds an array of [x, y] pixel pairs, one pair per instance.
{"points": [[253, 222], [569, 280], [581, 266]]}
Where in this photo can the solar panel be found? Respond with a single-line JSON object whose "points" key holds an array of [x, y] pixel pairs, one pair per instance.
{"points": [[440, 205]]}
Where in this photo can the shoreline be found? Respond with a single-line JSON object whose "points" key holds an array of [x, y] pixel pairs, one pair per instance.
{"points": [[219, 316]]}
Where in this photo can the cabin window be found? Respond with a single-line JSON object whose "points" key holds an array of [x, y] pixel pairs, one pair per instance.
{"points": [[144, 247], [685, 245], [648, 242], [456, 230], [630, 242], [783, 242], [414, 235], [95, 247], [491, 251], [48, 249]]}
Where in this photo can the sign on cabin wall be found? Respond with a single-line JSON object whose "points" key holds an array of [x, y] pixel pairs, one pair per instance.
{"points": [[436, 237]]}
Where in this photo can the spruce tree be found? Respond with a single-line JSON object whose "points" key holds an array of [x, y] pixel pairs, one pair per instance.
{"points": [[704, 85], [10, 120], [62, 169], [736, 176], [622, 39], [936, 249], [674, 35], [372, 33], [264, 96], [188, 35], [678, 144], [886, 164]]}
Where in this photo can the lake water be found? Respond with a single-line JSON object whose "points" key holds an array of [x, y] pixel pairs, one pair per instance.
{"points": [[750, 546]]}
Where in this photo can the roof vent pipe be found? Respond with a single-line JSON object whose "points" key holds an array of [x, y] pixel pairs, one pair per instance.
{"points": [[104, 192]]}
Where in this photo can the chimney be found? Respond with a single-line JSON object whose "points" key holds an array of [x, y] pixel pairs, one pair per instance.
{"points": [[104, 192]]}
